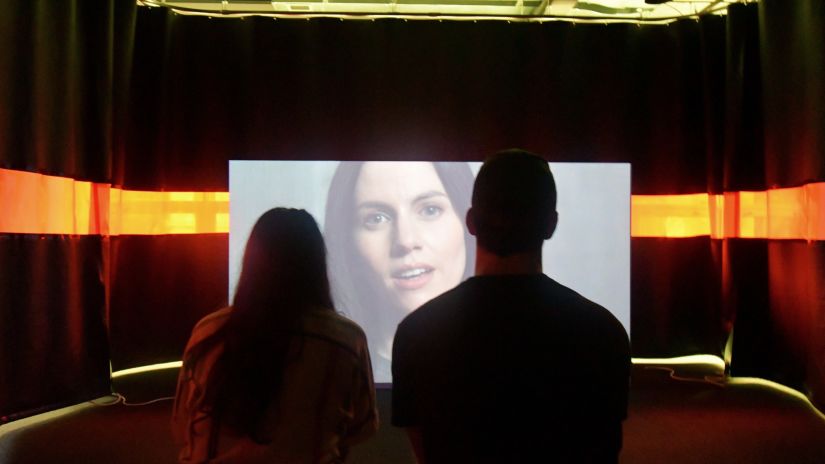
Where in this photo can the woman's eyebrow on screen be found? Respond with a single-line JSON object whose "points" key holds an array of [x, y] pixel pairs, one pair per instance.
{"points": [[428, 195], [372, 204], [378, 205]]}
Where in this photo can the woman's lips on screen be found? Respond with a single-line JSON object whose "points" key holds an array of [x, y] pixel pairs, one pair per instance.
{"points": [[412, 277]]}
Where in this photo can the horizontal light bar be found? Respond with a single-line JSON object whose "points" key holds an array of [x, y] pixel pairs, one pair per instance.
{"points": [[705, 359], [778, 387], [39, 204], [34, 203], [148, 368], [593, 11]]}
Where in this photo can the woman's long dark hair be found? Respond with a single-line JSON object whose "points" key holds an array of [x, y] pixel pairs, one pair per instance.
{"points": [[283, 276]]}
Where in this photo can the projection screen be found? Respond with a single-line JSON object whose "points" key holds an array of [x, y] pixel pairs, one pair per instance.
{"points": [[396, 238]]}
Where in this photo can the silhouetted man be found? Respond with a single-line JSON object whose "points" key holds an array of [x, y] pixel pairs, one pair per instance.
{"points": [[511, 366]]}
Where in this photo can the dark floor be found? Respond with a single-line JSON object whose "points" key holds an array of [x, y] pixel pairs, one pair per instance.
{"points": [[670, 421]]}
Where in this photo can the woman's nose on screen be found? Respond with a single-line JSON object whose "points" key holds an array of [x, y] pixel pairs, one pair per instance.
{"points": [[406, 237]]}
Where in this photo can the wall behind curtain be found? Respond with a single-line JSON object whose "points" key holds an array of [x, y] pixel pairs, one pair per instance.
{"points": [[60, 66]]}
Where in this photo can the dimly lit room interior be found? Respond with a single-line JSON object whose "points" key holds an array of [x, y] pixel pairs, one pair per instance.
{"points": [[118, 120]]}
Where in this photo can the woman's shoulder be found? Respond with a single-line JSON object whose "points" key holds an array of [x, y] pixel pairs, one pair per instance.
{"points": [[327, 322], [209, 324]]}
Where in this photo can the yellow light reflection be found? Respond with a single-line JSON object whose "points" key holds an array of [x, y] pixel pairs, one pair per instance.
{"points": [[158, 213], [705, 359], [815, 211], [669, 215], [786, 213], [222, 221], [699, 359], [753, 216], [778, 387], [147, 368], [32, 203]]}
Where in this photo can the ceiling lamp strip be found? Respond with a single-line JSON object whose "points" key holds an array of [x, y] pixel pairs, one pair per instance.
{"points": [[577, 11]]}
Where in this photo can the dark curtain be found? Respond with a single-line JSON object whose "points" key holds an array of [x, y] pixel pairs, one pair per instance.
{"points": [[61, 66], [780, 328], [58, 70], [716, 105], [54, 345], [150, 100], [160, 287], [208, 90], [205, 91]]}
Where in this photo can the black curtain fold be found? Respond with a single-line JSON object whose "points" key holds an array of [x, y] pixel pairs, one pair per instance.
{"points": [[206, 91], [676, 304], [792, 55], [777, 287], [160, 287], [61, 65], [743, 166], [56, 86], [54, 345]]}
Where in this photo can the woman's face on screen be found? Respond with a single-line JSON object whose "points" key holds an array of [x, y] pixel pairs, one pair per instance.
{"points": [[407, 230]]}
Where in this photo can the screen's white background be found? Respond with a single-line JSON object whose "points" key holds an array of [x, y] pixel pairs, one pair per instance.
{"points": [[590, 251]]}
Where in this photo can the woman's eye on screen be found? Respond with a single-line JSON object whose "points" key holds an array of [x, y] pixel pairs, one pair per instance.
{"points": [[431, 211], [374, 220]]}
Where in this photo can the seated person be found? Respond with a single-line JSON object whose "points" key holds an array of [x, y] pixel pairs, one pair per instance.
{"points": [[511, 366], [279, 376]]}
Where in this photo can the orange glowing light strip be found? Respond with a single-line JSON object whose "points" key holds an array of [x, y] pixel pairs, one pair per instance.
{"points": [[786, 213], [156, 213], [39, 204]]}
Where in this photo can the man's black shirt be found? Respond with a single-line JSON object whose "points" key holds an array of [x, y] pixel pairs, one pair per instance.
{"points": [[512, 368]]}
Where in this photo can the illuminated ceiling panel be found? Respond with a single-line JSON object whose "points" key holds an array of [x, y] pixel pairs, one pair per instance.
{"points": [[637, 11]]}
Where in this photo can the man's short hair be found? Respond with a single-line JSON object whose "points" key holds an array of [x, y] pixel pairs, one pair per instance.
{"points": [[514, 198]]}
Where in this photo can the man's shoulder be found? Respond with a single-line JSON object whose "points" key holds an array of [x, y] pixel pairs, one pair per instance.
{"points": [[439, 307], [566, 296], [563, 304], [585, 311]]}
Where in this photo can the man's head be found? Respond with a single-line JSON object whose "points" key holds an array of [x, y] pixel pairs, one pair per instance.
{"points": [[514, 203]]}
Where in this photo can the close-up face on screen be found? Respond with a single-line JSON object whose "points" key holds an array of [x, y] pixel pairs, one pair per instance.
{"points": [[396, 237], [406, 231]]}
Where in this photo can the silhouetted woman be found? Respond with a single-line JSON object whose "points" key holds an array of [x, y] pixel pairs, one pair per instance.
{"points": [[279, 376]]}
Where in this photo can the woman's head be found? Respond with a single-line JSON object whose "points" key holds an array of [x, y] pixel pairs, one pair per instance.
{"points": [[396, 234], [285, 259]]}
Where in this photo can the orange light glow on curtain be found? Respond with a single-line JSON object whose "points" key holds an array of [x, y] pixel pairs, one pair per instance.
{"points": [[155, 213], [38, 204], [669, 215], [787, 213]]}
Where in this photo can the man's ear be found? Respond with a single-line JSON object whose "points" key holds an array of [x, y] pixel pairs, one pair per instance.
{"points": [[551, 225], [469, 219]]}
